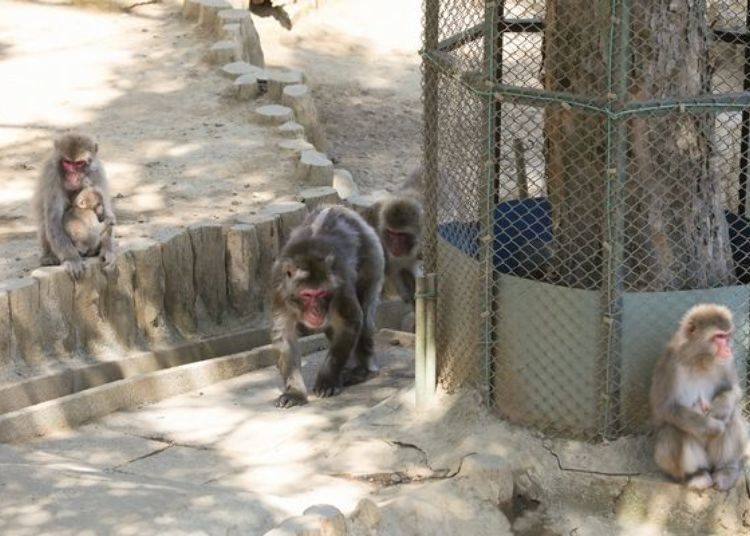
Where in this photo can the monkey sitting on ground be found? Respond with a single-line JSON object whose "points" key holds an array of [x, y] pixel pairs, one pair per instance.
{"points": [[73, 165], [84, 222], [701, 435], [328, 277], [398, 222]]}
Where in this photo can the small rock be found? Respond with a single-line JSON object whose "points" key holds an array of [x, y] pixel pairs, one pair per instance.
{"points": [[344, 184], [366, 513], [488, 476], [332, 521], [311, 525]]}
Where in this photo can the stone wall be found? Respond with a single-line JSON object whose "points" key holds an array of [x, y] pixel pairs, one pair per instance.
{"points": [[185, 284]]}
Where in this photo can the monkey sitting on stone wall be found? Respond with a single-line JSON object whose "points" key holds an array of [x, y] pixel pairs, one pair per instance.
{"points": [[73, 165]]}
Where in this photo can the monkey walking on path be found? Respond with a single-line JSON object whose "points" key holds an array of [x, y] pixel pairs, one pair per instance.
{"points": [[701, 435], [73, 165], [328, 277]]}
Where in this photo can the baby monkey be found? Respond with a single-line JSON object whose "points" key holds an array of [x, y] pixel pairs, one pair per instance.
{"points": [[701, 435], [85, 224]]}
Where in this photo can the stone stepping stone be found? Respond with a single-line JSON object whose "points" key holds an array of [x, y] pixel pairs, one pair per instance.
{"points": [[314, 168], [273, 114], [246, 87]]}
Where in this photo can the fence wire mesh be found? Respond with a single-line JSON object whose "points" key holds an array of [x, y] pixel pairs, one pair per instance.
{"points": [[586, 176]]}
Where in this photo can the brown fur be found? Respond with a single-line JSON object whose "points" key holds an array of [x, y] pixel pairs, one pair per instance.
{"points": [[402, 214], [701, 434], [83, 222], [54, 193]]}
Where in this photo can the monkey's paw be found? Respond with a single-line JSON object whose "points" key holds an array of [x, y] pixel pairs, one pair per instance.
{"points": [[75, 268], [725, 479], [288, 400], [700, 481], [355, 375], [714, 427], [326, 386], [108, 259], [48, 260]]}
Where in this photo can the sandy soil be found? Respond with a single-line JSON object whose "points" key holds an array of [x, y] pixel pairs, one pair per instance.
{"points": [[177, 151], [361, 58]]}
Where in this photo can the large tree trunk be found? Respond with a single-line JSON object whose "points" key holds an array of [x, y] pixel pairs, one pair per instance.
{"points": [[675, 230]]}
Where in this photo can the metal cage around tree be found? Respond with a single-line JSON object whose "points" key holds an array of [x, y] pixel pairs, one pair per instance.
{"points": [[586, 175]]}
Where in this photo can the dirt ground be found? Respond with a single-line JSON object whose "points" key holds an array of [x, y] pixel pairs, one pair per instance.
{"points": [[176, 149], [361, 58], [223, 460]]}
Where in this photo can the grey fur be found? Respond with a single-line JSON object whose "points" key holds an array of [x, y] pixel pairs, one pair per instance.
{"points": [[700, 432], [336, 250], [51, 201], [402, 213]]}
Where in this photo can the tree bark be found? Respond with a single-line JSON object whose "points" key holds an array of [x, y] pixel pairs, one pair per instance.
{"points": [[676, 234]]}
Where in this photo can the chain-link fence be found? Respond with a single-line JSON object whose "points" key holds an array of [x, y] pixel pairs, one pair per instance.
{"points": [[586, 175]]}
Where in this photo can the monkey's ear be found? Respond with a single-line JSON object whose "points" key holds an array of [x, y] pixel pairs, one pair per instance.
{"points": [[288, 268], [292, 271], [690, 329], [330, 258]]}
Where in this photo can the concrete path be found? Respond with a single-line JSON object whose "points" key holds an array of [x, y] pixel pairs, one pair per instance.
{"points": [[222, 460]]}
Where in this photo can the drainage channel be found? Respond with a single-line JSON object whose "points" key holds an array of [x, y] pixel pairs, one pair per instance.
{"points": [[45, 405]]}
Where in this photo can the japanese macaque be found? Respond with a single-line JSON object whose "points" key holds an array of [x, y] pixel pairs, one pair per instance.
{"points": [[73, 165], [701, 434], [398, 222], [84, 222], [328, 277]]}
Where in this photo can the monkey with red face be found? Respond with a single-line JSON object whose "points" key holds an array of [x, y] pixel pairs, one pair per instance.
{"points": [[74, 165], [701, 434], [328, 277], [398, 222]]}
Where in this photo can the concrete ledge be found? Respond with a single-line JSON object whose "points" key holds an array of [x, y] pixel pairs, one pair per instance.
{"points": [[48, 387], [72, 410]]}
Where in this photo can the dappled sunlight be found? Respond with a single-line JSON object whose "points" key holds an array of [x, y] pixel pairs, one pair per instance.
{"points": [[222, 454], [148, 198], [176, 151], [14, 191]]}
